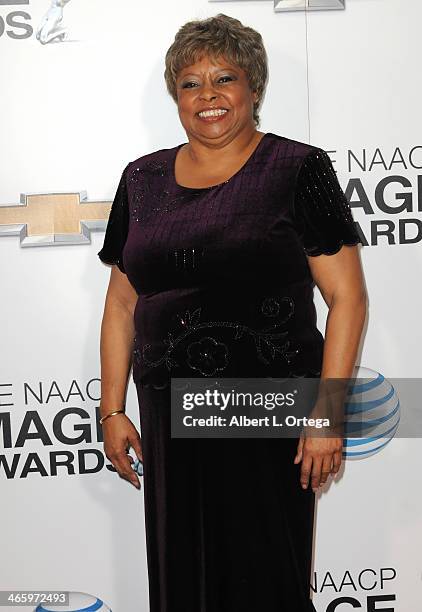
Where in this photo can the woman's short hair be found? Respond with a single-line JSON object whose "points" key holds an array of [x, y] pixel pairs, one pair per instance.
{"points": [[222, 35]]}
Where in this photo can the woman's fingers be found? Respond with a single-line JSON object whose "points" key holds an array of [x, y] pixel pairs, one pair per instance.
{"points": [[337, 458], [123, 466], [316, 473], [136, 443], [320, 458], [326, 468], [299, 451], [305, 471]]}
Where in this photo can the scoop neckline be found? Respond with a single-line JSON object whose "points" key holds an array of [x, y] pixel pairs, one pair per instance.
{"points": [[250, 158]]}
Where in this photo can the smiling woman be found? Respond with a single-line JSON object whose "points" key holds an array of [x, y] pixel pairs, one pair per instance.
{"points": [[217, 245]]}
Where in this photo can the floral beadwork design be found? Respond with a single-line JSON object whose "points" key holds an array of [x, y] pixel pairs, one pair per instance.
{"points": [[270, 307], [208, 356]]}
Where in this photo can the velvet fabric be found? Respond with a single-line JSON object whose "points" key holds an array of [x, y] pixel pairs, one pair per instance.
{"points": [[225, 290]]}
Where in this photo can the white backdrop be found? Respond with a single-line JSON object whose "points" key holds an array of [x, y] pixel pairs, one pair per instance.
{"points": [[72, 115]]}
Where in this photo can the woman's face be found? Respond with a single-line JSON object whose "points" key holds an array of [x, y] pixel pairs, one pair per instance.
{"points": [[220, 85]]}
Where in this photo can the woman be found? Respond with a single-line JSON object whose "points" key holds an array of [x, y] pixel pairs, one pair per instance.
{"points": [[229, 230]]}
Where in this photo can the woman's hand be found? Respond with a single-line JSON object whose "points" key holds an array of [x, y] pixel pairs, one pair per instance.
{"points": [[320, 457], [119, 435]]}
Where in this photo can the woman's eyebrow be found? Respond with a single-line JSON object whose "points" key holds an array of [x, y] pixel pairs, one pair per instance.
{"points": [[198, 74]]}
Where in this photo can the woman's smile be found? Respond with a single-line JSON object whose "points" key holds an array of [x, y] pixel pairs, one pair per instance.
{"points": [[209, 116]]}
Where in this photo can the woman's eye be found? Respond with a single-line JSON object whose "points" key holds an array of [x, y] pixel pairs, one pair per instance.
{"points": [[188, 84]]}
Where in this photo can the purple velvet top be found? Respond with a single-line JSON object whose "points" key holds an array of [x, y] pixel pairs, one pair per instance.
{"points": [[221, 272]]}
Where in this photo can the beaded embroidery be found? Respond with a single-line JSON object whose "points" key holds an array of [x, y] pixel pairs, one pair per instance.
{"points": [[209, 356], [185, 260], [321, 207], [149, 203]]}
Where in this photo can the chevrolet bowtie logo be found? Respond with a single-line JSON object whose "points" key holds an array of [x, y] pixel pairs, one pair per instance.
{"points": [[302, 5], [53, 219]]}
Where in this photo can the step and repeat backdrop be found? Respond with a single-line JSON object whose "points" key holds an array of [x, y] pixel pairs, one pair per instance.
{"points": [[83, 94]]}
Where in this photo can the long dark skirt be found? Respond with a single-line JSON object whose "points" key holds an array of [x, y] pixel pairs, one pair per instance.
{"points": [[228, 526]]}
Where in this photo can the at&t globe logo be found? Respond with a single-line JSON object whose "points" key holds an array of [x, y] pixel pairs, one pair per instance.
{"points": [[372, 414], [78, 602]]}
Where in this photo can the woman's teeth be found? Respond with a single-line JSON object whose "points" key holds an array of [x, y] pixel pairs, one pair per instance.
{"points": [[213, 113]]}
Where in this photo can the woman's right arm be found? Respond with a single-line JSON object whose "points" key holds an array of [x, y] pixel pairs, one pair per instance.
{"points": [[116, 345]]}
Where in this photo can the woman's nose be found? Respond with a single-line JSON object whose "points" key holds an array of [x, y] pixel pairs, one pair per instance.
{"points": [[208, 92], [208, 96]]}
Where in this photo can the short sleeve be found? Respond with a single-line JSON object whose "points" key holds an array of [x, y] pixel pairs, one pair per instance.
{"points": [[117, 226], [322, 213]]}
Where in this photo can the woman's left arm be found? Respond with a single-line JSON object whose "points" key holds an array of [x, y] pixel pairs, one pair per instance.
{"points": [[339, 277]]}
